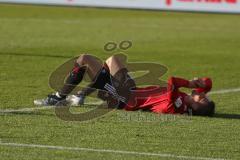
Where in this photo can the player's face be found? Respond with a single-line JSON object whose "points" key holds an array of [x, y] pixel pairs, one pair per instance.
{"points": [[196, 100], [199, 98]]}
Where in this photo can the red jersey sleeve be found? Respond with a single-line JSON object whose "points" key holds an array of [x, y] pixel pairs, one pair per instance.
{"points": [[176, 82]]}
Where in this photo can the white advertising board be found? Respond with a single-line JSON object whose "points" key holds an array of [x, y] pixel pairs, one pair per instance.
{"points": [[228, 6]]}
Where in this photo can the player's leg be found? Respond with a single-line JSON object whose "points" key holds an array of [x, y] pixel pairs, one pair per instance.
{"points": [[84, 64], [101, 77], [118, 69], [121, 80], [116, 63], [114, 70]]}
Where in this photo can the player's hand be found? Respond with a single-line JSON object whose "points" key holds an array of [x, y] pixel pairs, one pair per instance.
{"points": [[197, 83]]}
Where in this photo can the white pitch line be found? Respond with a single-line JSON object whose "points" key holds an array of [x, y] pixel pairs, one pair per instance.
{"points": [[35, 108], [106, 151], [223, 91], [25, 109]]}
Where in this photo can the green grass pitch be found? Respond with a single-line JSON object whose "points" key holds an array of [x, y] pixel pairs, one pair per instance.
{"points": [[34, 40]]}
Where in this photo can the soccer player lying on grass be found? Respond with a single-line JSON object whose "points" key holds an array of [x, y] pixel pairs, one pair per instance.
{"points": [[114, 84]]}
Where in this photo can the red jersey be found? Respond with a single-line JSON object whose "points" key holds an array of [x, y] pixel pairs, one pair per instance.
{"points": [[160, 99]]}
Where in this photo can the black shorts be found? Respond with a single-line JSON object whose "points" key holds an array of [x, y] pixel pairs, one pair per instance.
{"points": [[116, 93], [102, 80]]}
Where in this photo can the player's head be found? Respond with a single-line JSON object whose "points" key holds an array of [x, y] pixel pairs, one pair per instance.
{"points": [[200, 104]]}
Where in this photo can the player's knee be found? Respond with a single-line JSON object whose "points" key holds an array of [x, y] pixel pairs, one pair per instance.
{"points": [[117, 58], [83, 58], [112, 59], [108, 60]]}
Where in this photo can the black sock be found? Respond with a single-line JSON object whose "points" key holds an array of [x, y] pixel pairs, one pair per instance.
{"points": [[74, 78]]}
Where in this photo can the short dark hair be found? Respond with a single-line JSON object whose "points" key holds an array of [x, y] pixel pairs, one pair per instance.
{"points": [[208, 110]]}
